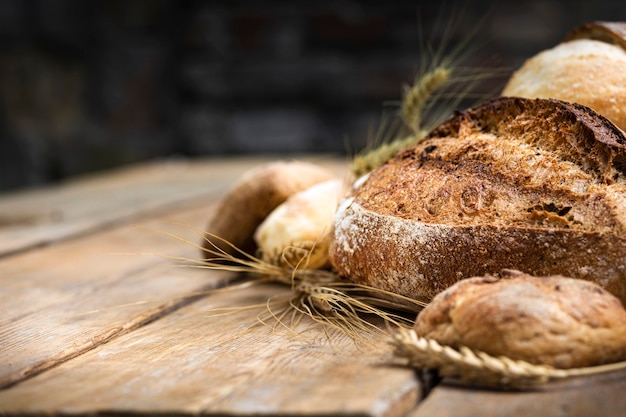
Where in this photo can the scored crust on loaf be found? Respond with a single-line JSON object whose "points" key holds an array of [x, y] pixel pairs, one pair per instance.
{"points": [[556, 321], [537, 185]]}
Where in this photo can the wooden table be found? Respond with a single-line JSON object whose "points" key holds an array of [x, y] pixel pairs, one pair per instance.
{"points": [[93, 320]]}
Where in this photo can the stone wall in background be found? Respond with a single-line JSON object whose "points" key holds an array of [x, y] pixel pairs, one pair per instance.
{"points": [[89, 85]]}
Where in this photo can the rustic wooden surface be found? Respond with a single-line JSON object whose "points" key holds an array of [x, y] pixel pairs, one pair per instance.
{"points": [[598, 395], [93, 321]]}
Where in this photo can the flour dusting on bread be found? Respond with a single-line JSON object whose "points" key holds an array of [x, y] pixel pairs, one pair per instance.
{"points": [[555, 320], [535, 185]]}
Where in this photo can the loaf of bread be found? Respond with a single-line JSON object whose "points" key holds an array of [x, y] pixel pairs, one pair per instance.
{"points": [[556, 321], [536, 185], [589, 68]]}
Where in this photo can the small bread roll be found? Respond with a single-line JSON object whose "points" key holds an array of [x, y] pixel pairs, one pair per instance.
{"points": [[557, 321], [589, 68], [296, 233], [254, 196]]}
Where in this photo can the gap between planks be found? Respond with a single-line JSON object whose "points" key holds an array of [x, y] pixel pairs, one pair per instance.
{"points": [[102, 338], [32, 218], [220, 175], [200, 362], [147, 266]]}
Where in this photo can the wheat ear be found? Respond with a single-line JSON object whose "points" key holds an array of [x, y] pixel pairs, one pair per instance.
{"points": [[414, 103], [416, 97], [362, 164], [477, 367], [320, 294]]}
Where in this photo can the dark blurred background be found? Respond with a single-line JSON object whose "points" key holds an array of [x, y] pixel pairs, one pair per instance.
{"points": [[90, 85]]}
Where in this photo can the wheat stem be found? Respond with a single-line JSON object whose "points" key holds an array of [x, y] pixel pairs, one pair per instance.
{"points": [[416, 100], [320, 294], [477, 367]]}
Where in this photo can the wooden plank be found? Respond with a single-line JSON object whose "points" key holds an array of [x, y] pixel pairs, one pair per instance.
{"points": [[190, 363], [598, 395], [41, 216], [63, 300], [63, 304]]}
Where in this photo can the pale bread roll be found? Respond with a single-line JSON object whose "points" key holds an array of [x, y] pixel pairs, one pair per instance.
{"points": [[556, 321], [252, 198], [589, 68], [297, 232]]}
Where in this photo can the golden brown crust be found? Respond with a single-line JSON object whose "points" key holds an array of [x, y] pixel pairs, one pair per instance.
{"points": [[588, 67], [571, 131], [557, 321], [535, 185]]}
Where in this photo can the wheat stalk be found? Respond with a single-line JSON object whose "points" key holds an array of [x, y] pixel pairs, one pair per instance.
{"points": [[362, 164], [441, 85], [320, 294], [480, 368], [415, 101], [416, 97]]}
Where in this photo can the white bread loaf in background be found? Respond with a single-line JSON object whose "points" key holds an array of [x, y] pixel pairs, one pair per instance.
{"points": [[589, 68]]}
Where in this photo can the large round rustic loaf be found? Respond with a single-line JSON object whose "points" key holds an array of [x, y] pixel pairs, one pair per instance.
{"points": [[588, 67], [556, 321], [537, 185]]}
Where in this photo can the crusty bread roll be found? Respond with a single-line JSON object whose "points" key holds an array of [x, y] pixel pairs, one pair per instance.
{"points": [[589, 68], [251, 199], [556, 321], [535, 185]]}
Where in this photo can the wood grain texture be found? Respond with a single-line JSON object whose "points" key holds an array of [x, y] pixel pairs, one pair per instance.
{"points": [[598, 395], [191, 362], [33, 218], [86, 284], [62, 300], [89, 326]]}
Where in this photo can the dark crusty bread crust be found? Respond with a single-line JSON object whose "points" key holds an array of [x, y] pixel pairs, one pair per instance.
{"points": [[537, 185], [557, 321], [609, 32]]}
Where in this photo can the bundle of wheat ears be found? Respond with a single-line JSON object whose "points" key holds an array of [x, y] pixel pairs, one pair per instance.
{"points": [[285, 240]]}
